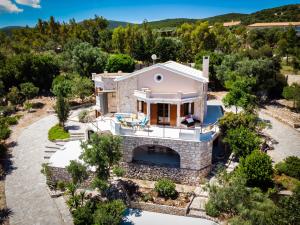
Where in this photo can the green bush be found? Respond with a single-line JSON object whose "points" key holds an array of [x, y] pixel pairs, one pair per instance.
{"points": [[78, 171], [166, 188], [12, 120], [257, 169], [119, 171], [147, 197], [83, 116], [242, 141], [61, 185], [7, 110], [57, 133], [110, 213], [83, 215], [290, 166], [211, 209], [120, 62], [4, 130]]}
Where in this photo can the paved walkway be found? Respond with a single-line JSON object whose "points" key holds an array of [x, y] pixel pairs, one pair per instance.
{"points": [[26, 192], [287, 137], [137, 217]]}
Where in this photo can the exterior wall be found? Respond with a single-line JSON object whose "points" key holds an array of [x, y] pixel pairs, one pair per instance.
{"points": [[112, 102], [126, 102], [178, 175], [171, 83], [109, 83], [194, 155]]}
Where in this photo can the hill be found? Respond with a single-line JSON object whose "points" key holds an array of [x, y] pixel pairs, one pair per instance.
{"points": [[279, 14]]}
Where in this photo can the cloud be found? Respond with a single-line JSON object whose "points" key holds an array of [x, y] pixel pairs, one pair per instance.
{"points": [[31, 3], [9, 6]]}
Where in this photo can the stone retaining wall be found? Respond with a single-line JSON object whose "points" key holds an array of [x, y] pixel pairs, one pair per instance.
{"points": [[194, 155], [159, 208], [178, 175]]}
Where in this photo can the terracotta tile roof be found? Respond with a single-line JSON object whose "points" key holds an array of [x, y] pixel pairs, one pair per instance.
{"points": [[232, 23], [275, 24]]}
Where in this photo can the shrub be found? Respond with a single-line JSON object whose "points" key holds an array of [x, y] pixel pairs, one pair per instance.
{"points": [[232, 121], [290, 166], [102, 185], [257, 169], [28, 106], [147, 197], [166, 188], [119, 171], [78, 171], [110, 213], [61, 185], [57, 133], [211, 209], [242, 141], [12, 120], [7, 110], [83, 215], [4, 130], [120, 62], [83, 116]]}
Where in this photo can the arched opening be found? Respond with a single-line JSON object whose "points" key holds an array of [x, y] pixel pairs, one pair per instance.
{"points": [[156, 155]]}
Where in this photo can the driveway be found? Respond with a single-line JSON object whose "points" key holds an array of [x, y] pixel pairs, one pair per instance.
{"points": [[25, 186], [137, 217], [287, 137]]}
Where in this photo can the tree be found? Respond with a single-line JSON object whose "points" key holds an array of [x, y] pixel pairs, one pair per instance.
{"points": [[78, 171], [88, 59], [292, 93], [109, 213], [82, 87], [103, 152], [167, 48], [242, 141], [120, 62], [118, 39], [232, 121], [240, 94], [62, 86], [289, 166], [257, 169], [29, 90], [14, 96], [62, 109]]}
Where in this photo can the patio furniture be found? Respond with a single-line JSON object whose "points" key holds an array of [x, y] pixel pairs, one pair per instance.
{"points": [[143, 123]]}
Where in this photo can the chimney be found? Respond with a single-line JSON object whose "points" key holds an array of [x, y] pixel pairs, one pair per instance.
{"points": [[205, 66], [105, 72], [120, 72]]}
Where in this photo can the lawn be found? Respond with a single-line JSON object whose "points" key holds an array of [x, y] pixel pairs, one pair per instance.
{"points": [[57, 133]]}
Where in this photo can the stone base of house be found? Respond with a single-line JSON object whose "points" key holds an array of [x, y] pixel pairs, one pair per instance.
{"points": [[178, 175]]}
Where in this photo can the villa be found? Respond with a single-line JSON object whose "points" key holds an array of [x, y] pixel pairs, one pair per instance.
{"points": [[161, 113]]}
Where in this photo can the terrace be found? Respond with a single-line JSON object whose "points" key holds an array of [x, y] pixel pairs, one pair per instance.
{"points": [[200, 132]]}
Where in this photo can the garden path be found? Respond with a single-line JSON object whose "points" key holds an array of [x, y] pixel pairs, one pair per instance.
{"points": [[26, 192]]}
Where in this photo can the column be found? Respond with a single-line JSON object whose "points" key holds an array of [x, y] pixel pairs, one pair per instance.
{"points": [[148, 110], [178, 114]]}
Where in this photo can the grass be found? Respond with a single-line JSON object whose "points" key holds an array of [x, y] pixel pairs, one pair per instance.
{"points": [[57, 133], [287, 182]]}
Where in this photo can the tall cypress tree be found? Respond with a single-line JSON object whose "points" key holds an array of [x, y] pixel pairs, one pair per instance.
{"points": [[62, 109]]}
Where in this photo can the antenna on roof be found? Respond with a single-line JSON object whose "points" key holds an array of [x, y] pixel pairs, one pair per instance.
{"points": [[154, 57]]}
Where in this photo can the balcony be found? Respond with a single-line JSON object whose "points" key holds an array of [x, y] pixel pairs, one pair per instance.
{"points": [[199, 134]]}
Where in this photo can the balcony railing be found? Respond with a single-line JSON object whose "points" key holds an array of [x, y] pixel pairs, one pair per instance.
{"points": [[193, 134], [147, 94]]}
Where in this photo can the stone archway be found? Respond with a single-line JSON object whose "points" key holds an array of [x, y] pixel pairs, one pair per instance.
{"points": [[156, 155]]}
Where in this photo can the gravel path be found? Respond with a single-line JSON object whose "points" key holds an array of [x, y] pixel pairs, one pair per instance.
{"points": [[287, 137], [26, 192]]}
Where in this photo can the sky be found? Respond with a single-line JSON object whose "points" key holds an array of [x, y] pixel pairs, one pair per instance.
{"points": [[27, 12]]}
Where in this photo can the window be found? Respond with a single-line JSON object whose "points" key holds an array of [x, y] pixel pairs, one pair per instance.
{"points": [[158, 78]]}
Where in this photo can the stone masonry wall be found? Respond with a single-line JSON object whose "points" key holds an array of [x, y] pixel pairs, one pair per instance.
{"points": [[194, 155], [182, 176], [126, 103]]}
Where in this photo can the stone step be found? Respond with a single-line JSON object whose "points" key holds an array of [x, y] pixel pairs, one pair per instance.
{"points": [[197, 213], [47, 157], [77, 134], [51, 151], [53, 147], [198, 203]]}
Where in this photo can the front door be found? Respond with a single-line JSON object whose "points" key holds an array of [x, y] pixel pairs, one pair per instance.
{"points": [[163, 114]]}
